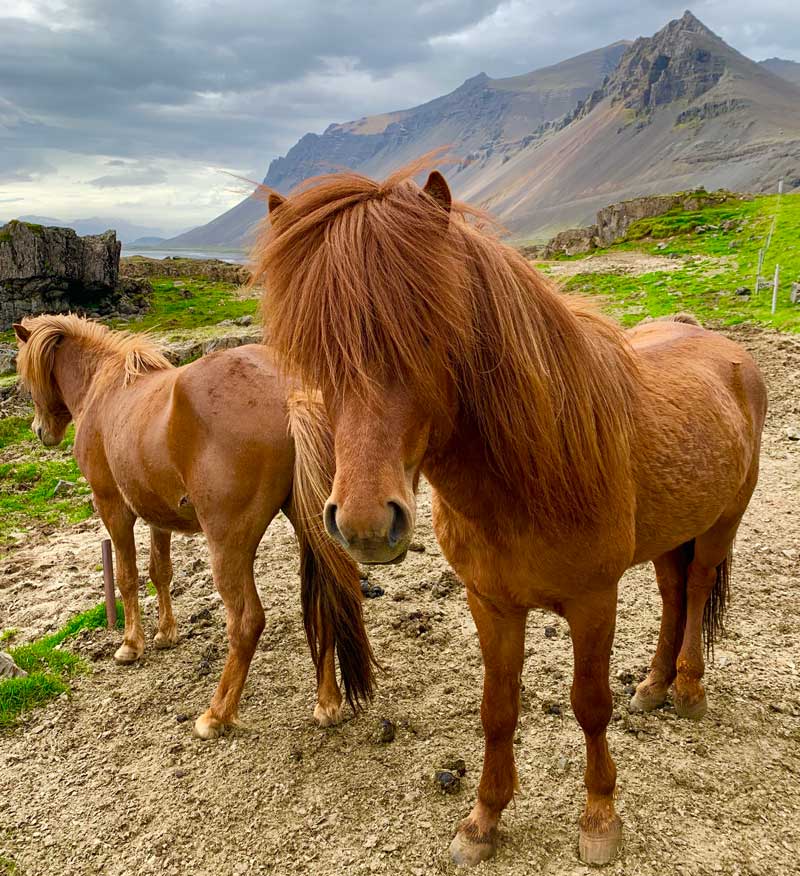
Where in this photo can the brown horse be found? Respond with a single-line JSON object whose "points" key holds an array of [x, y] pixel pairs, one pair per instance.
{"points": [[560, 450], [220, 445]]}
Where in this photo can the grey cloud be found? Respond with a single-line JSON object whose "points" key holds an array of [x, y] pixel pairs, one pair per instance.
{"points": [[144, 176]]}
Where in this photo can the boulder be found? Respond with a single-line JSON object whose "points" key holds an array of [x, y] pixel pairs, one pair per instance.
{"points": [[53, 270], [173, 266]]}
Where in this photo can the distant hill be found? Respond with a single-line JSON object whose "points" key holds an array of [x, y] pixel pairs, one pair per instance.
{"points": [[789, 70], [546, 150], [147, 241], [127, 232]]}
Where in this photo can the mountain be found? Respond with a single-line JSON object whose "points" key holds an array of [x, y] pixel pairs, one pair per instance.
{"points": [[789, 70], [545, 151], [127, 232], [477, 113], [147, 241]]}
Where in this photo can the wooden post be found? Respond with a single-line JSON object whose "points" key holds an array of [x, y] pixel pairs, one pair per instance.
{"points": [[780, 186], [758, 270], [769, 236], [108, 584], [775, 288]]}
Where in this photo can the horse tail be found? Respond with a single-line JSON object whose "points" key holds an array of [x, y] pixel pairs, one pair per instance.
{"points": [[331, 590], [714, 612]]}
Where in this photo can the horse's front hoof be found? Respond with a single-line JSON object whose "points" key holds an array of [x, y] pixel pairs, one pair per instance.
{"points": [[598, 849], [125, 654], [208, 727], [693, 709], [163, 641], [647, 698], [465, 852], [328, 716]]}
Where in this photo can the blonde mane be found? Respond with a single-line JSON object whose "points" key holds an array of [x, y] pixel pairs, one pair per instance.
{"points": [[125, 354], [369, 283]]}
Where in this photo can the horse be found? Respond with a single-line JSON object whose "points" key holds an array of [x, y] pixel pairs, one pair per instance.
{"points": [[220, 445], [560, 449]]}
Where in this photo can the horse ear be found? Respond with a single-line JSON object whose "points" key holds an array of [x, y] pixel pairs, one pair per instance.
{"points": [[436, 187], [21, 332], [274, 201]]}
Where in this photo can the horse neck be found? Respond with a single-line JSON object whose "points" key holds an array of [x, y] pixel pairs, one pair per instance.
{"points": [[75, 367]]}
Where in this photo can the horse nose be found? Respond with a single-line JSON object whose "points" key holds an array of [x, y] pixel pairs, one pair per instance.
{"points": [[377, 539]]}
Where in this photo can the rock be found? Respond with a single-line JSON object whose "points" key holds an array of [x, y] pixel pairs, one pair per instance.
{"points": [[417, 547], [180, 352], [563, 764], [62, 487], [551, 708], [181, 719], [8, 668], [53, 270], [371, 591], [794, 295], [550, 632], [447, 782], [743, 290], [387, 731], [793, 433], [199, 269], [8, 359], [247, 319], [456, 765]]}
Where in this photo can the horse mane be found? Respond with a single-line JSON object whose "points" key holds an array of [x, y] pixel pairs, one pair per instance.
{"points": [[368, 283], [125, 354]]}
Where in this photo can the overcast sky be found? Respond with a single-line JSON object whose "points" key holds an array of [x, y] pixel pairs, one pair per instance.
{"points": [[137, 108]]}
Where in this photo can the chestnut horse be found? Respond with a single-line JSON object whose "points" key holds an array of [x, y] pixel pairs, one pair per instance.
{"points": [[561, 451], [219, 445]]}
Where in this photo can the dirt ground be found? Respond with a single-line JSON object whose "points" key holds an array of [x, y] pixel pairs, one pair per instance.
{"points": [[623, 262], [110, 780]]}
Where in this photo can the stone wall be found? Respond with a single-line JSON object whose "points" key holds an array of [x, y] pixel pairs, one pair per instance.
{"points": [[200, 269]]}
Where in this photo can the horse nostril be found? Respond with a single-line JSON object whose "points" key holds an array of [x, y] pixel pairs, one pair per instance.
{"points": [[39, 432], [329, 517], [400, 524]]}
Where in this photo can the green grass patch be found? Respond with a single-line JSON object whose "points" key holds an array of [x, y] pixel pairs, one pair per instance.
{"points": [[191, 303], [8, 867], [716, 252], [29, 473], [49, 666]]}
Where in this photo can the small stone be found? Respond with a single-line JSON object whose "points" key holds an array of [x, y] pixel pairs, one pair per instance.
{"points": [[563, 764], [417, 547], [62, 487], [203, 615], [640, 736], [296, 754], [181, 719], [743, 290], [456, 765], [551, 708], [550, 632], [371, 591], [180, 774], [793, 434], [448, 782], [8, 668], [387, 732]]}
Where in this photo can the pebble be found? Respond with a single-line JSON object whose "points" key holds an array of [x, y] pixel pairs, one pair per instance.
{"points": [[417, 547], [551, 708], [448, 782], [387, 731], [456, 765], [550, 632], [180, 774], [181, 719], [793, 434], [371, 591]]}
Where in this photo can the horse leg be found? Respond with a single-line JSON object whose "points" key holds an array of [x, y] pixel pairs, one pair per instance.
{"points": [[591, 621], [232, 567], [161, 576], [502, 639], [119, 521], [710, 550], [328, 710], [671, 576]]}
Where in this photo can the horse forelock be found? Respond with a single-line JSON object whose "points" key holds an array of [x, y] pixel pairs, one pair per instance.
{"points": [[124, 354], [369, 283]]}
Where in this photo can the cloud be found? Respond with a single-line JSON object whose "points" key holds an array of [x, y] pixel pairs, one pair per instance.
{"points": [[161, 90]]}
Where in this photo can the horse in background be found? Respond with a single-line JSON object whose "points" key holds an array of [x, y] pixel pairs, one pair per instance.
{"points": [[219, 446], [560, 449]]}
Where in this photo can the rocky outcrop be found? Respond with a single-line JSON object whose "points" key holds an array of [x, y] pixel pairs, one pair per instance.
{"points": [[173, 266], [614, 222], [53, 270], [181, 352]]}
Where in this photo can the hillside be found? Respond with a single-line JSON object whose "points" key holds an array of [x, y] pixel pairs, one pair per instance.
{"points": [[478, 113], [544, 151], [788, 70]]}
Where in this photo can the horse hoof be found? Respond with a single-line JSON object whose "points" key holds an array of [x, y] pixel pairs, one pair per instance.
{"points": [[162, 641], [208, 727], [125, 655], [465, 852], [644, 701], [328, 716], [694, 711], [599, 849]]}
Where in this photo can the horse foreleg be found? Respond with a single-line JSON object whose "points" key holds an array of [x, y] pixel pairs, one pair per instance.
{"points": [[119, 521], [502, 639], [161, 576], [671, 576], [232, 566], [591, 622]]}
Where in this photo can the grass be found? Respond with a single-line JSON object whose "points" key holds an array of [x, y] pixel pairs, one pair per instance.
{"points": [[48, 665], [187, 304], [8, 867], [29, 473], [710, 265]]}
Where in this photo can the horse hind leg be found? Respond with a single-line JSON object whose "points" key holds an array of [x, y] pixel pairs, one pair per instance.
{"points": [[706, 595], [328, 710], [161, 576], [671, 570]]}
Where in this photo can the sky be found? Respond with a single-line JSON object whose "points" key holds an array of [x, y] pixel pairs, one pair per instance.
{"points": [[152, 111]]}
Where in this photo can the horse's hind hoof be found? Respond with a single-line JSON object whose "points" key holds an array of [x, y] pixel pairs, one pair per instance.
{"points": [[465, 852], [163, 641], [694, 711], [328, 716], [645, 700], [598, 849]]}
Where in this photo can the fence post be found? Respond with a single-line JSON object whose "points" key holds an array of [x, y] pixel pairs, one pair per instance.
{"points": [[775, 288]]}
